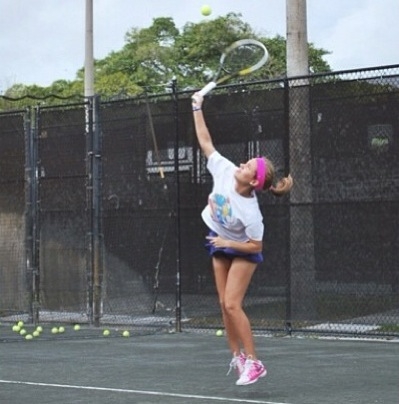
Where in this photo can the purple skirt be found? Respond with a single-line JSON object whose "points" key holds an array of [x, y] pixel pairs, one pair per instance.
{"points": [[231, 253]]}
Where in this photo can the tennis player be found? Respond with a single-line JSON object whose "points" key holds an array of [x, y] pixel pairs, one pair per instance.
{"points": [[234, 242]]}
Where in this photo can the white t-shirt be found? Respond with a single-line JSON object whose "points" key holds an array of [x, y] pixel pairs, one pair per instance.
{"points": [[229, 214]]}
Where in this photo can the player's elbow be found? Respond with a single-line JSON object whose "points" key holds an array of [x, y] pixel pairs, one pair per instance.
{"points": [[258, 250], [256, 246]]}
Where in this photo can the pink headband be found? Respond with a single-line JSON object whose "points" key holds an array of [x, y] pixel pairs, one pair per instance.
{"points": [[261, 172]]}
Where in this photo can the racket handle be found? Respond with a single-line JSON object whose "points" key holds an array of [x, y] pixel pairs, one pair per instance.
{"points": [[209, 87]]}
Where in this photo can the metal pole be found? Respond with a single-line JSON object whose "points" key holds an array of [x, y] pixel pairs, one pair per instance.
{"points": [[89, 209], [94, 241], [302, 258], [286, 151], [297, 38], [97, 239], [176, 167], [32, 217], [29, 213], [36, 216], [89, 52]]}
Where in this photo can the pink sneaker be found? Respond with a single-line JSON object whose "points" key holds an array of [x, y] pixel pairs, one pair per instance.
{"points": [[237, 363], [253, 371]]}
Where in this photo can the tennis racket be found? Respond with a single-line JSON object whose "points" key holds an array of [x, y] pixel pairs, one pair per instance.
{"points": [[239, 59]]}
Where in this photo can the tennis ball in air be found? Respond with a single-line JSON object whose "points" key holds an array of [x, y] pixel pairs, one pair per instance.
{"points": [[219, 333], [106, 333], [126, 333], [54, 330], [206, 10], [76, 327]]}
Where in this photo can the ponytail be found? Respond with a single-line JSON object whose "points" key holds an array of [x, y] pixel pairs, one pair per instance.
{"points": [[282, 187]]}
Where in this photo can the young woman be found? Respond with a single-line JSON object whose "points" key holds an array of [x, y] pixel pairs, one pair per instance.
{"points": [[236, 229]]}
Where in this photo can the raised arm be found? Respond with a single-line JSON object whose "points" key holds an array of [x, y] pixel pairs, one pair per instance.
{"points": [[201, 130]]}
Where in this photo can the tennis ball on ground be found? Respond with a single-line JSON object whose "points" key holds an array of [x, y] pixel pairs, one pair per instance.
{"points": [[16, 328], [39, 328], [20, 324], [106, 333], [35, 333], [54, 330], [22, 332], [219, 333], [28, 336], [126, 333], [76, 327], [206, 10], [61, 329]]}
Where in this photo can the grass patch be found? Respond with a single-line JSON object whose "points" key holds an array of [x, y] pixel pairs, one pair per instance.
{"points": [[389, 328]]}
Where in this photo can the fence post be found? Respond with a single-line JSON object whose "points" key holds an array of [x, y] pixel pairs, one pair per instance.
{"points": [[286, 149], [94, 250], [302, 254], [177, 211], [97, 231], [89, 215], [32, 213]]}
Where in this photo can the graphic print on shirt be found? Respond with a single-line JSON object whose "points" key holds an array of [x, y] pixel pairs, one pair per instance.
{"points": [[221, 209]]}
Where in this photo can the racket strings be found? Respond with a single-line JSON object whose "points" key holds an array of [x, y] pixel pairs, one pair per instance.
{"points": [[242, 57]]}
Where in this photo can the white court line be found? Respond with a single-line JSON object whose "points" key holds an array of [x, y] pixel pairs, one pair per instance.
{"points": [[144, 392]]}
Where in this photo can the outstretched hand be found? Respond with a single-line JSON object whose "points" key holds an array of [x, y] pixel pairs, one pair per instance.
{"points": [[197, 100]]}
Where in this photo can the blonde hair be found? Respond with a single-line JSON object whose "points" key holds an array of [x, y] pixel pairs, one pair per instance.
{"points": [[282, 187]]}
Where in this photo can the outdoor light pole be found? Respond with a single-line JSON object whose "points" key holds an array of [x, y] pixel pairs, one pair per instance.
{"points": [[89, 53], [94, 260], [302, 259]]}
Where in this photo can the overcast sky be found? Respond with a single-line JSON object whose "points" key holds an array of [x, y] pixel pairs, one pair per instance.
{"points": [[43, 40]]}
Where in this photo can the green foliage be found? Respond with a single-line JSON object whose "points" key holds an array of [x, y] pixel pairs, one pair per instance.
{"points": [[316, 62], [153, 56]]}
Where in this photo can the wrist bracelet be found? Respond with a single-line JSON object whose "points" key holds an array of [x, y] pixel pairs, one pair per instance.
{"points": [[196, 109]]}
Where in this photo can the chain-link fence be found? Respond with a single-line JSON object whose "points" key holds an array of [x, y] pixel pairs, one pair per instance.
{"points": [[100, 207]]}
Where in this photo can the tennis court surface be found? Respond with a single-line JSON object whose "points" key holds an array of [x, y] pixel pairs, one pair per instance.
{"points": [[190, 367]]}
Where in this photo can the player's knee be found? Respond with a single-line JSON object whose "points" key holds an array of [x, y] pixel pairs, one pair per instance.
{"points": [[231, 307]]}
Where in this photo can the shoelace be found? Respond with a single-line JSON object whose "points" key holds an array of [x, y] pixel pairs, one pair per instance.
{"points": [[235, 361], [233, 364]]}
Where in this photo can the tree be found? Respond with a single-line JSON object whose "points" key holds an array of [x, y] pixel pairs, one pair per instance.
{"points": [[153, 56]]}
